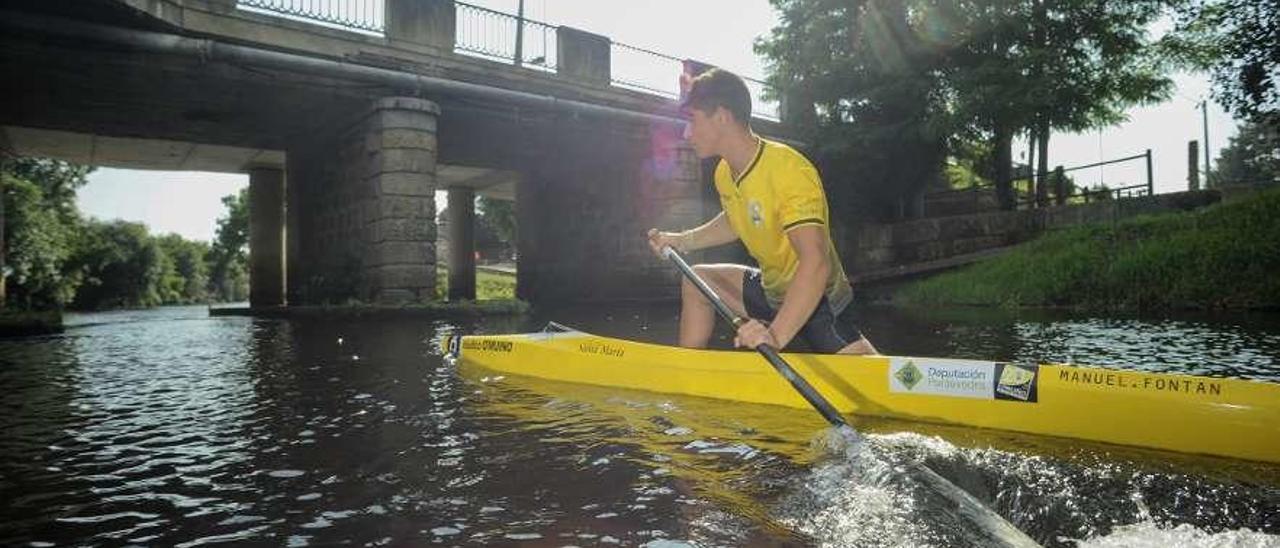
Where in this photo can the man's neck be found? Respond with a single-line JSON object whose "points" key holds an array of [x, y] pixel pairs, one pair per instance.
{"points": [[740, 150]]}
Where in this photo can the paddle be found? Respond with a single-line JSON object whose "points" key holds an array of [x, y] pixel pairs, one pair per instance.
{"points": [[771, 354], [998, 530]]}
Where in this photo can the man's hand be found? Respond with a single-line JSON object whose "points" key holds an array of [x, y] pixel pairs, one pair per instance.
{"points": [[659, 240], [753, 334]]}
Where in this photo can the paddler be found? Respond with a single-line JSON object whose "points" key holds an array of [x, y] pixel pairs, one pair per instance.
{"points": [[772, 200]]}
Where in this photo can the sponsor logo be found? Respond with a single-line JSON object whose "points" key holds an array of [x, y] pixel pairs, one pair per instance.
{"points": [[488, 345], [909, 375], [754, 211], [956, 378], [1016, 382]]}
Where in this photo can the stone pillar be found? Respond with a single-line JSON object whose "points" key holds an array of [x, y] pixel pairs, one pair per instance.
{"points": [[462, 244], [266, 236], [293, 234], [583, 56], [424, 22], [399, 257]]}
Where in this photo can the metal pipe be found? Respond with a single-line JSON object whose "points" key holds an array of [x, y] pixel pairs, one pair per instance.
{"points": [[207, 50]]}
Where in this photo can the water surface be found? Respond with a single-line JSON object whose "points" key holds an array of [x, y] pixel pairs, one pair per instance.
{"points": [[171, 428]]}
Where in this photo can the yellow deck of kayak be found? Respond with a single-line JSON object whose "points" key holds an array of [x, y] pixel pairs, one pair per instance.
{"points": [[1225, 417]]}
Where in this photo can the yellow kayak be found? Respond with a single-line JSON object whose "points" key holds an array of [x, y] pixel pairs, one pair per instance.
{"points": [[1201, 415]]}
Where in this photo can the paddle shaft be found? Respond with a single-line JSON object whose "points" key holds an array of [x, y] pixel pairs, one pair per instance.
{"points": [[771, 354]]}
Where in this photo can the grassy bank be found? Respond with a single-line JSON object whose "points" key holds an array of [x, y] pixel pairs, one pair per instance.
{"points": [[1225, 256], [489, 285]]}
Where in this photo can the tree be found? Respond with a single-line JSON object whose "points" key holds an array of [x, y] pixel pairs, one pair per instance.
{"points": [[122, 265], [878, 123], [1042, 65], [38, 245], [1252, 157], [228, 256], [185, 278], [499, 215], [897, 83], [1238, 42], [41, 227]]}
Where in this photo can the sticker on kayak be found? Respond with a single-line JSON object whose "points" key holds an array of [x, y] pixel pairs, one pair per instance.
{"points": [[956, 378], [1016, 382]]}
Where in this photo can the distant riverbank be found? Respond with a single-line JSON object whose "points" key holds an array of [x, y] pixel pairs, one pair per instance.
{"points": [[1226, 256]]}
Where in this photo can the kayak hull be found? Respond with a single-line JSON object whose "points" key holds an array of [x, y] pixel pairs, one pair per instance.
{"points": [[1232, 418]]}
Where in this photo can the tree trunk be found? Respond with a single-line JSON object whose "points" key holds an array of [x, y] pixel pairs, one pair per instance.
{"points": [[1042, 165], [1003, 157]]}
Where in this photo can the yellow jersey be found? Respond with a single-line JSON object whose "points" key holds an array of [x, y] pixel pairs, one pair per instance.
{"points": [[778, 191]]}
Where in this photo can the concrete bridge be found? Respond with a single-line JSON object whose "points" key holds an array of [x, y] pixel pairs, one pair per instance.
{"points": [[348, 128]]}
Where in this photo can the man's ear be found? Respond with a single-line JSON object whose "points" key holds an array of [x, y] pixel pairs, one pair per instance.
{"points": [[723, 116]]}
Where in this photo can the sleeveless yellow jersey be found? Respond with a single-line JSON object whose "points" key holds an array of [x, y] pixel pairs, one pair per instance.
{"points": [[780, 190]]}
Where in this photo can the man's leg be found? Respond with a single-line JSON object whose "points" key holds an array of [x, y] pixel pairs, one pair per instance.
{"points": [[860, 346], [697, 316]]}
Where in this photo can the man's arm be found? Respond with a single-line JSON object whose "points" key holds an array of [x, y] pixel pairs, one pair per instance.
{"points": [[808, 285], [710, 234]]}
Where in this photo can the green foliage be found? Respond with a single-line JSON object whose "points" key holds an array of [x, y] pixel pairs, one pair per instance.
{"points": [[1252, 157], [56, 259], [879, 124], [123, 266], [228, 257], [900, 85], [1238, 41], [57, 181], [1225, 256], [500, 215], [38, 244], [186, 273]]}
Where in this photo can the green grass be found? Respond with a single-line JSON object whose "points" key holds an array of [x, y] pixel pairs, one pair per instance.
{"points": [[489, 285], [1224, 256]]}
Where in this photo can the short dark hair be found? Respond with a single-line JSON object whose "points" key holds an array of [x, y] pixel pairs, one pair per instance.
{"points": [[719, 88]]}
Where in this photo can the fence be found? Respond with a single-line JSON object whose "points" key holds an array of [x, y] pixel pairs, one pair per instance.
{"points": [[506, 38], [1027, 195], [503, 37], [359, 15]]}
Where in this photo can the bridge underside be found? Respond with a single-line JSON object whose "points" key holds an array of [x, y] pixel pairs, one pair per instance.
{"points": [[343, 173]]}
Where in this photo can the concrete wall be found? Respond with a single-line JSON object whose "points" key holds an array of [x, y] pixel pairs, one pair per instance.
{"points": [[871, 247]]}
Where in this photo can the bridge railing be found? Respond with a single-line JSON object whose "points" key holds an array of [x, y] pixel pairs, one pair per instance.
{"points": [[507, 38], [360, 15], [500, 36]]}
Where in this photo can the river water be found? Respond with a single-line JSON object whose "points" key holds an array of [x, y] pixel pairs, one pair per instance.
{"points": [[172, 428]]}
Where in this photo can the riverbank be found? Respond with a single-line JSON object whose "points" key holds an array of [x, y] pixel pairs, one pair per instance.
{"points": [[1222, 257], [22, 323]]}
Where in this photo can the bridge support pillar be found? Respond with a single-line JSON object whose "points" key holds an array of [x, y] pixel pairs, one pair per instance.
{"points": [[462, 244], [266, 236], [400, 230]]}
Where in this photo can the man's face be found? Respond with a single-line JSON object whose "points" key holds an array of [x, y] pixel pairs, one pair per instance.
{"points": [[701, 132]]}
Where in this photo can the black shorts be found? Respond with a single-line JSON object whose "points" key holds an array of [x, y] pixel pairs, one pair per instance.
{"points": [[825, 332]]}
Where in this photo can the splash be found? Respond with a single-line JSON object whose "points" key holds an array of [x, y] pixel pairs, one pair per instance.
{"points": [[1147, 534]]}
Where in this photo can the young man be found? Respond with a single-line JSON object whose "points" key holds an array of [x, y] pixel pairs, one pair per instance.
{"points": [[773, 201]]}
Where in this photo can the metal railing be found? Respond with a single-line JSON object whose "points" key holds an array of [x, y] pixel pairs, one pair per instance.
{"points": [[1025, 191], [360, 15], [507, 38], [493, 35]]}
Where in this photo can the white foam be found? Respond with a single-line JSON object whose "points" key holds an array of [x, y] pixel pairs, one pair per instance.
{"points": [[1148, 534]]}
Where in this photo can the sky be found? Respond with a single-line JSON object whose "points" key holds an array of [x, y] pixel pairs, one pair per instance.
{"points": [[719, 32]]}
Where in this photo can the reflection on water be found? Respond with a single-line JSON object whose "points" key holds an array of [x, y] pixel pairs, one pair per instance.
{"points": [[168, 427]]}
